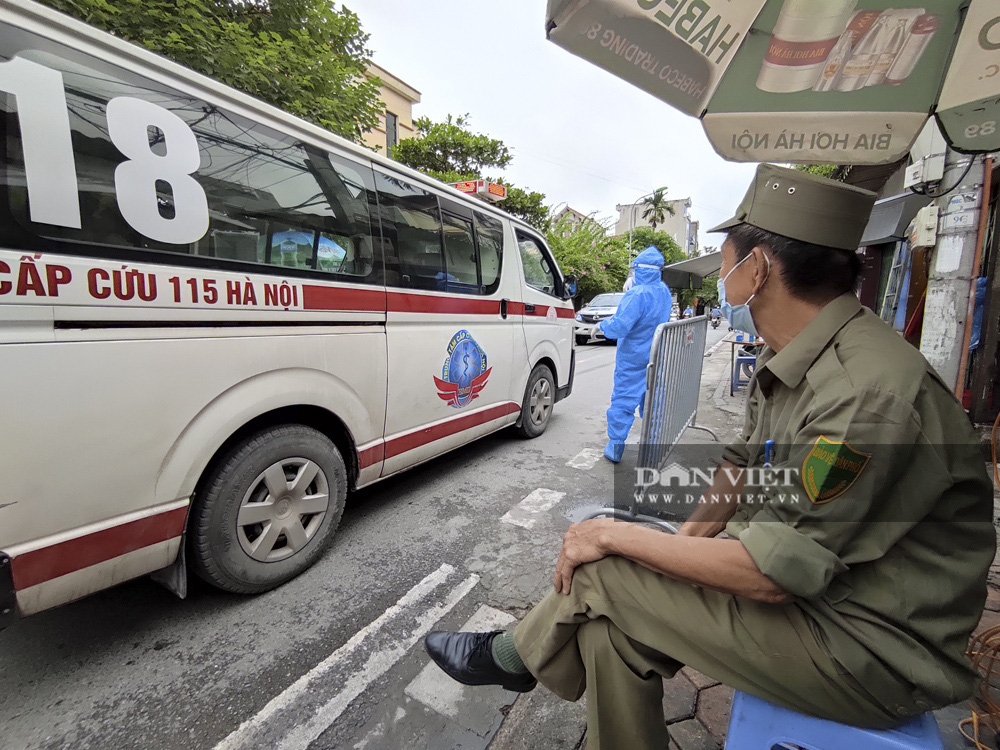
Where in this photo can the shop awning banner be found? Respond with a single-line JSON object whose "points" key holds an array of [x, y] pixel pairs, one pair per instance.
{"points": [[832, 81], [969, 108]]}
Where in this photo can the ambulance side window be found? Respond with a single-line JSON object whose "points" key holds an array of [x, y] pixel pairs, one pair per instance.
{"points": [[196, 185], [411, 233], [489, 233], [462, 270], [538, 271]]}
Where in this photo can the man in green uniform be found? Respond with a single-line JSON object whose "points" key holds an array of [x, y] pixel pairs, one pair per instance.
{"points": [[851, 574]]}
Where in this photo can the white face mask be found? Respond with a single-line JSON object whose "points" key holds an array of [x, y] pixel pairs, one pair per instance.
{"points": [[739, 316]]}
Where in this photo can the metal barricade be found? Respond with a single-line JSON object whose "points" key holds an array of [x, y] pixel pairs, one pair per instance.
{"points": [[673, 383]]}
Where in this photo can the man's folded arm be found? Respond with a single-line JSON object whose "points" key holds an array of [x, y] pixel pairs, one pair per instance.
{"points": [[718, 503], [717, 564]]}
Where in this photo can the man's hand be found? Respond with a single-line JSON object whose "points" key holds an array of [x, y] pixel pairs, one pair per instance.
{"points": [[584, 542], [718, 504]]}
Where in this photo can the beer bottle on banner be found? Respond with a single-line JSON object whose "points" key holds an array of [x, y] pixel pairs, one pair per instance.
{"points": [[887, 55], [921, 32], [862, 62], [804, 35], [859, 25], [834, 63]]}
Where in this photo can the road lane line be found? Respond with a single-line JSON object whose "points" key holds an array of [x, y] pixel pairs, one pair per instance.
{"points": [[243, 735], [585, 459], [377, 665], [528, 512]]}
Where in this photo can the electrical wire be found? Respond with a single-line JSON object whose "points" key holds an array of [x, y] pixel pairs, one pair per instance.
{"points": [[929, 194]]}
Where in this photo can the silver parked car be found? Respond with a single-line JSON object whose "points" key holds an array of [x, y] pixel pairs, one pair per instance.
{"points": [[601, 307]]}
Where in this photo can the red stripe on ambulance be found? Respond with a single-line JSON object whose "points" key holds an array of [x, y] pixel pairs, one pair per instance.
{"points": [[341, 298], [46, 563], [413, 440]]}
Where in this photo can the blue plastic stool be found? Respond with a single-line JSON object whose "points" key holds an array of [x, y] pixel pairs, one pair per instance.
{"points": [[744, 362], [755, 724]]}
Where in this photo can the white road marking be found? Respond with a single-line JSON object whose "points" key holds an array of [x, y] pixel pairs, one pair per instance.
{"points": [[527, 512], [439, 692], [258, 731], [585, 459], [378, 664]]}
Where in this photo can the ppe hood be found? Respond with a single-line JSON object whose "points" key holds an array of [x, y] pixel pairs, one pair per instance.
{"points": [[648, 257]]}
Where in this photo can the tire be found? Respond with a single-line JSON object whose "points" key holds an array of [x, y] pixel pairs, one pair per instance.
{"points": [[251, 558], [539, 398], [581, 340]]}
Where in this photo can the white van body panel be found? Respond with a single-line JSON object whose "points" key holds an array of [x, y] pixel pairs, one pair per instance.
{"points": [[121, 395]]}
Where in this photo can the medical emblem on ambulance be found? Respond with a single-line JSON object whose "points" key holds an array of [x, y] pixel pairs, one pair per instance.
{"points": [[464, 373]]}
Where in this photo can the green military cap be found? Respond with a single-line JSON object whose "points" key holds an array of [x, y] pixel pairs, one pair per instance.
{"points": [[804, 207]]}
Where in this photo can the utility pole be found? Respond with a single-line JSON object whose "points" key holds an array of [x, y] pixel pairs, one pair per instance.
{"points": [[951, 269]]}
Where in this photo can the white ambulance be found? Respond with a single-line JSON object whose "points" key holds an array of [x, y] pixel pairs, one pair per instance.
{"points": [[217, 319]]}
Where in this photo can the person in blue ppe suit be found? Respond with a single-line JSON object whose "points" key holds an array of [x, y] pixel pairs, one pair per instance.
{"points": [[642, 309]]}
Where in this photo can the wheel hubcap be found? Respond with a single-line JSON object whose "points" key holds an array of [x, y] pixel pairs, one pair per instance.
{"points": [[283, 509], [540, 402]]}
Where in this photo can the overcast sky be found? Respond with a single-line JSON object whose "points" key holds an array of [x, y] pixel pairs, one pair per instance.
{"points": [[577, 133]]}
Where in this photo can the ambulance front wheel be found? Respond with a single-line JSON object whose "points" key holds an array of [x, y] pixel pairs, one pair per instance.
{"points": [[539, 398], [267, 509]]}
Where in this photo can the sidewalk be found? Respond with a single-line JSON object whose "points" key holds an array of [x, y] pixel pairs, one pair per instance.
{"points": [[696, 708]]}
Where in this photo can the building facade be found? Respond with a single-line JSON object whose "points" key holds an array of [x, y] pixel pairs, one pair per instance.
{"points": [[681, 227], [567, 220], [940, 289], [396, 121]]}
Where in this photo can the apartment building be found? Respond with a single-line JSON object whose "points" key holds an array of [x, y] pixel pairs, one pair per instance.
{"points": [[396, 121]]}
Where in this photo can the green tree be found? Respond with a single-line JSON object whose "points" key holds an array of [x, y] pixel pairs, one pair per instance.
{"points": [[450, 146], [708, 291], [449, 151], [303, 56], [643, 237], [657, 207], [584, 249], [830, 171]]}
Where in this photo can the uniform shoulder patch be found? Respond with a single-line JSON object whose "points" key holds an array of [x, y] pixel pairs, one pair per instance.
{"points": [[830, 468]]}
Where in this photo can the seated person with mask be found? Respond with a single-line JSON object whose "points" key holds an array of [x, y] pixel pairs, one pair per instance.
{"points": [[847, 587]]}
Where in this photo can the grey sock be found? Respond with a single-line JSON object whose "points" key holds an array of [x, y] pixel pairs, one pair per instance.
{"points": [[505, 655]]}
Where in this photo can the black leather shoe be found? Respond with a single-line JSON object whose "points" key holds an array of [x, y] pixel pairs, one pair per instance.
{"points": [[468, 658]]}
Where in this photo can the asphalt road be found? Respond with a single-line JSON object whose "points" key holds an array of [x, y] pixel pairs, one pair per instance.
{"points": [[333, 658], [137, 667]]}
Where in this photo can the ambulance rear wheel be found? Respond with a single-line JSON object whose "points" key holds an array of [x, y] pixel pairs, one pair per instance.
{"points": [[539, 398], [267, 509]]}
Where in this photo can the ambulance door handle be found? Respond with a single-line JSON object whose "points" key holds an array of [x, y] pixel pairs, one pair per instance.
{"points": [[529, 308], [503, 308]]}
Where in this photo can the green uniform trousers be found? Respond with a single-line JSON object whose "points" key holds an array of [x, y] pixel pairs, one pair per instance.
{"points": [[623, 627]]}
